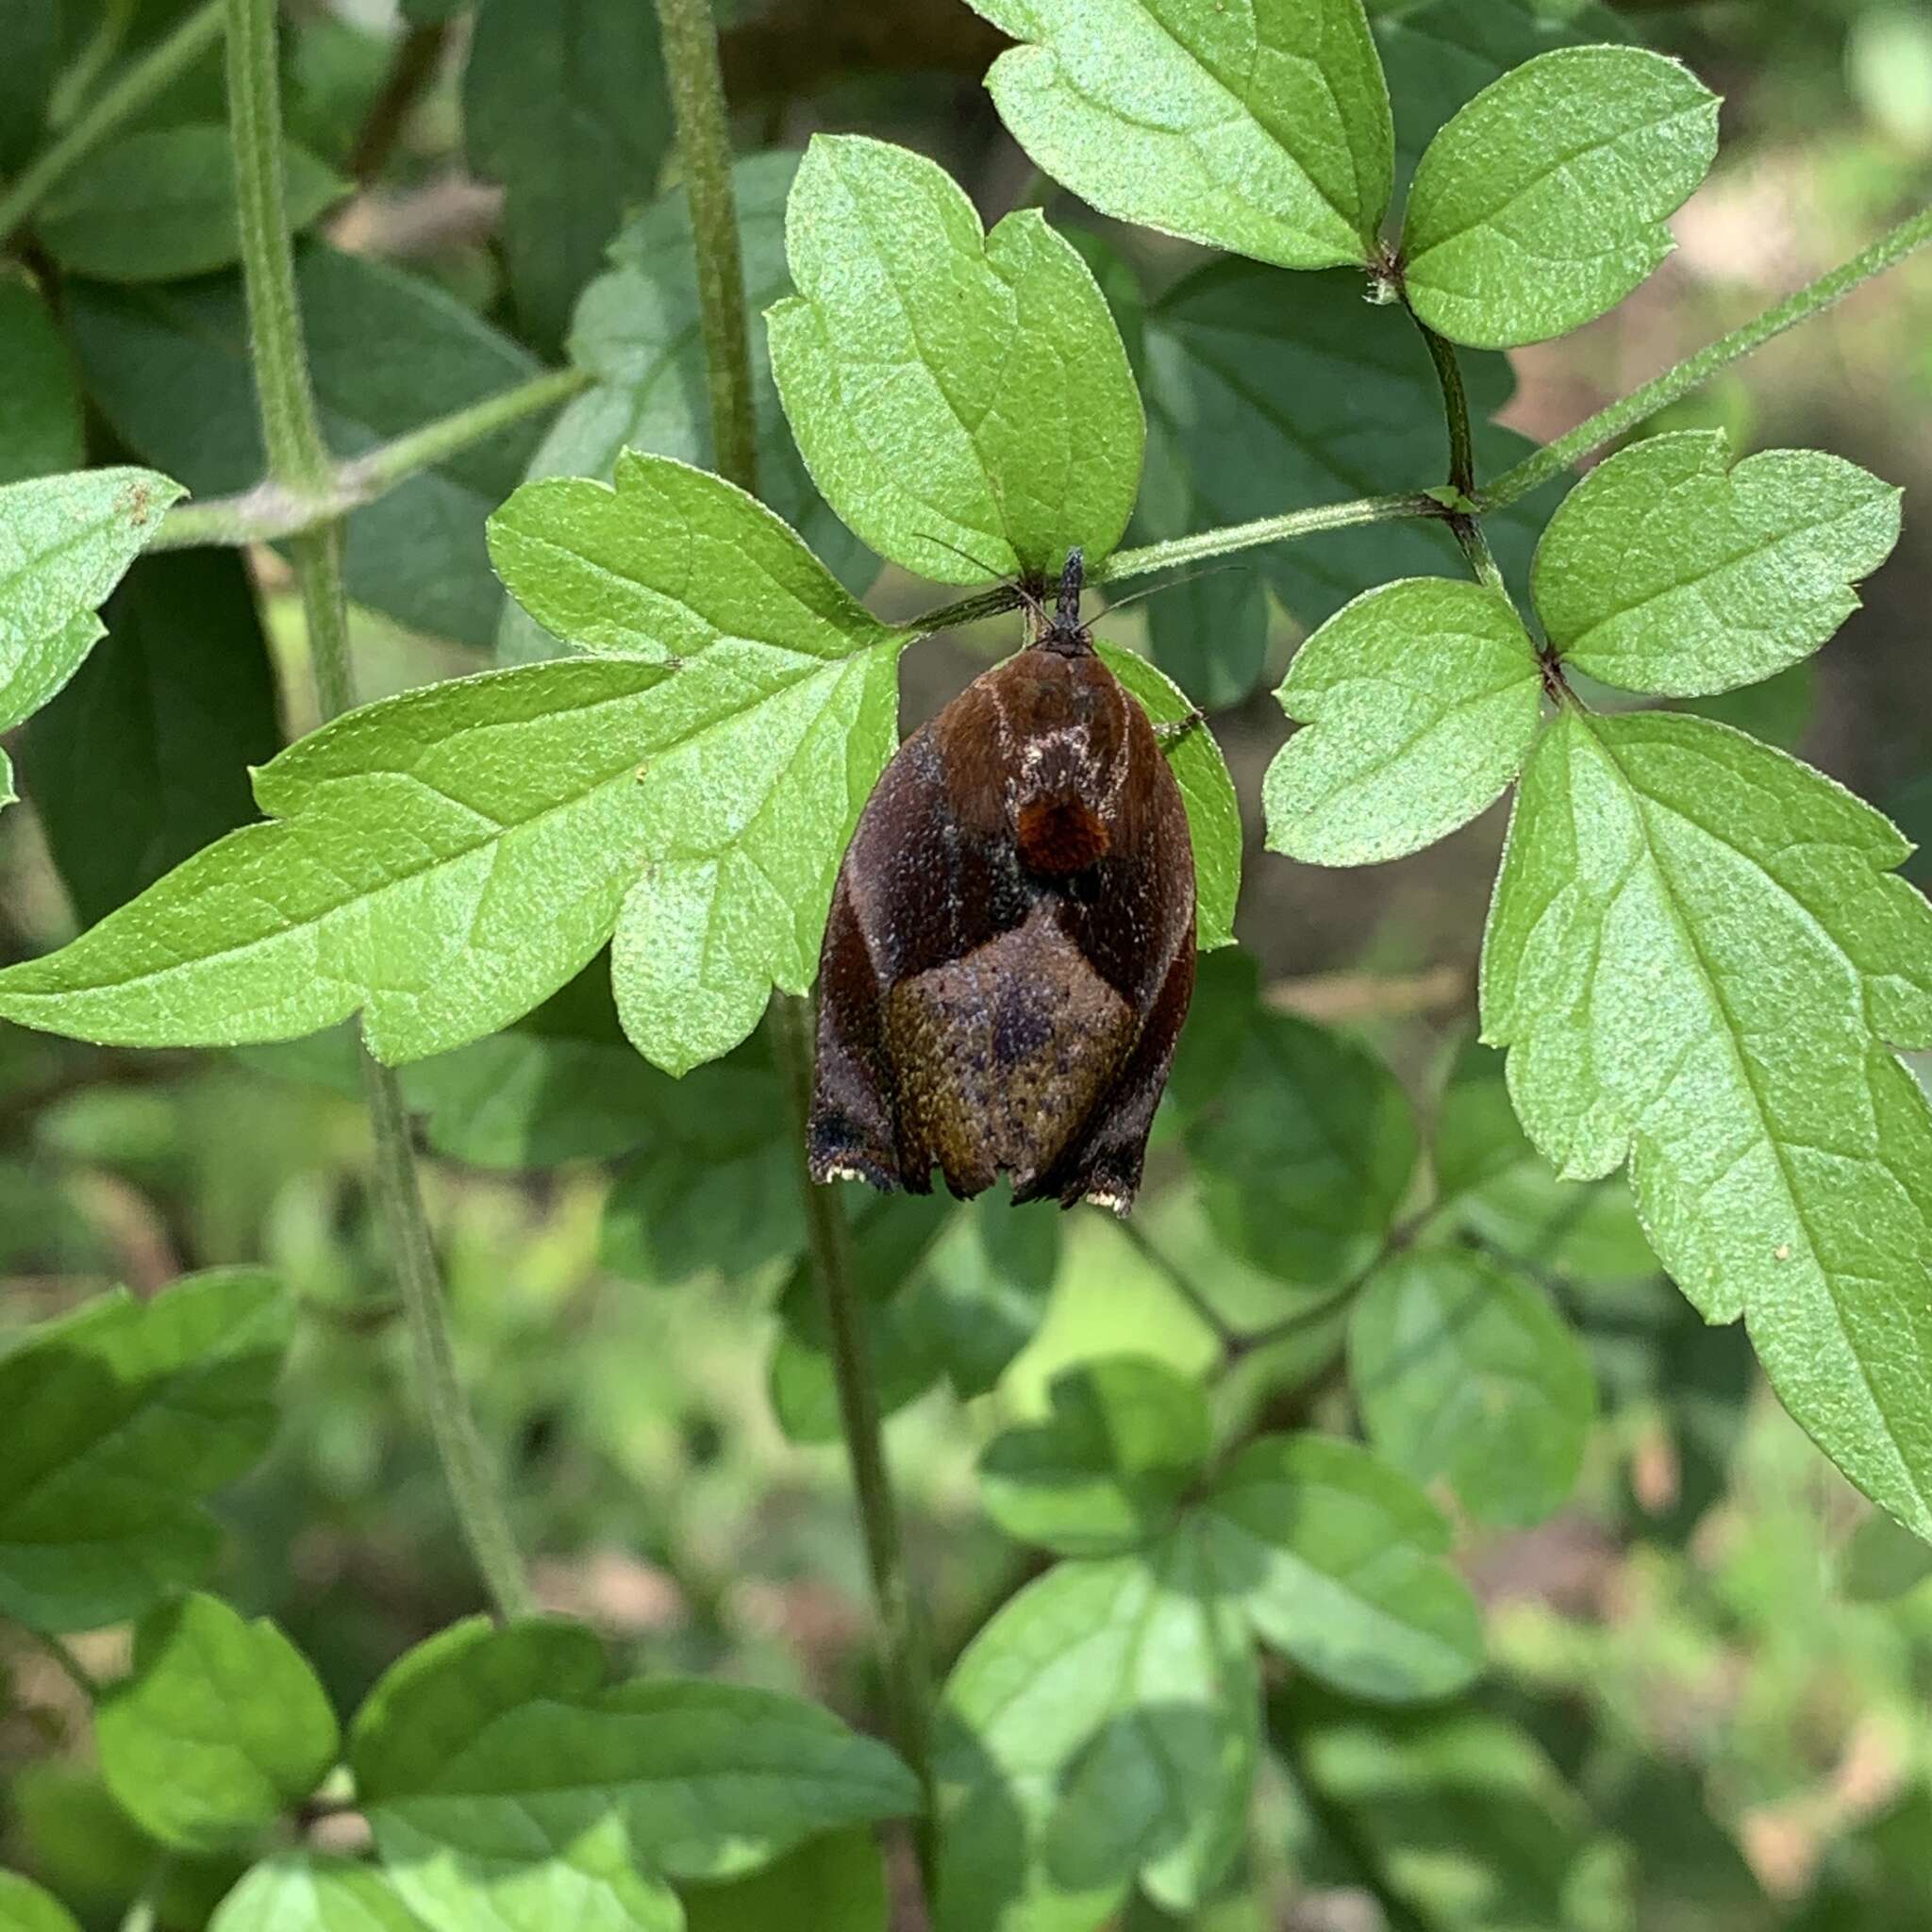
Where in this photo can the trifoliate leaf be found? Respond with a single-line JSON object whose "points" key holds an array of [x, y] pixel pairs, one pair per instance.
{"points": [[1465, 1370], [445, 859], [220, 1729], [1263, 129], [1420, 702], [1697, 954], [1670, 570], [1543, 201], [951, 391], [1340, 1563], [1214, 820], [1105, 1469], [1100, 1726], [122, 1419], [505, 1785]]}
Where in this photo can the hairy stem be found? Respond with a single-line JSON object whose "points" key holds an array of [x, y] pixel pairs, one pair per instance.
{"points": [[299, 460], [273, 510], [168, 59], [1464, 524], [704, 141], [1628, 411]]}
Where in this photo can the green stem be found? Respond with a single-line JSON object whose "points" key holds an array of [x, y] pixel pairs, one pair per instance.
{"points": [[1232, 1340], [1467, 531], [92, 61], [272, 511], [704, 141], [156, 70], [1628, 411], [299, 461], [1281, 529]]}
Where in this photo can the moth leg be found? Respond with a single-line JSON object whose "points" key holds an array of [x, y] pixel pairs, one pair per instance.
{"points": [[854, 1133], [1104, 1166]]}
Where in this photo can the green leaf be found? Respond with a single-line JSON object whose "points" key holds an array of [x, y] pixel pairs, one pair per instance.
{"points": [[122, 1417], [1340, 1563], [220, 1729], [1464, 1369], [1209, 633], [1261, 129], [30, 32], [1455, 1815], [1265, 389], [168, 367], [563, 104], [1696, 954], [638, 334], [837, 1881], [1105, 1470], [179, 699], [160, 205], [503, 1782], [1441, 55], [65, 542], [984, 1290], [1100, 1726], [951, 391], [24, 1908], [1421, 701], [1883, 1562], [1542, 202], [302, 1891], [1305, 1145], [1214, 822], [1670, 570], [40, 406]]}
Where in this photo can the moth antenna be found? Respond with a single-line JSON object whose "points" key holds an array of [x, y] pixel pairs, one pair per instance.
{"points": [[1214, 570]]}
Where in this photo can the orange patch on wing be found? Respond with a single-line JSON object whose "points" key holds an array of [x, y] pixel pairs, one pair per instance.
{"points": [[1063, 835]]}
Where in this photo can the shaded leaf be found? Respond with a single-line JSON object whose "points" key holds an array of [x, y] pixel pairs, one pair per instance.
{"points": [[30, 32], [40, 406], [951, 391], [1696, 953], [1884, 1561], [1340, 1563], [837, 1881], [1671, 570], [1464, 1369], [220, 1729], [1106, 1468], [122, 1417], [1541, 203], [160, 205], [1262, 129], [24, 1908], [1421, 702], [178, 701]]}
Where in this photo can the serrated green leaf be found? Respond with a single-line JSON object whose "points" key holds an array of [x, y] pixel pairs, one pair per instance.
{"points": [[158, 205], [950, 388], [443, 861], [168, 365], [1441, 55], [1340, 1563], [563, 104], [1265, 388], [1541, 203], [1106, 1468], [303, 1891], [1421, 702], [1214, 821], [1305, 1146], [179, 697], [40, 406], [65, 542], [502, 1780], [1696, 953], [24, 1908], [122, 1417], [1100, 1726], [1463, 1819], [638, 334], [1464, 1369], [837, 1881], [220, 1727], [1670, 570], [1262, 129]]}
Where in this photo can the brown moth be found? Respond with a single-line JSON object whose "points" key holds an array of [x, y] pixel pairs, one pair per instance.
{"points": [[1010, 950]]}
